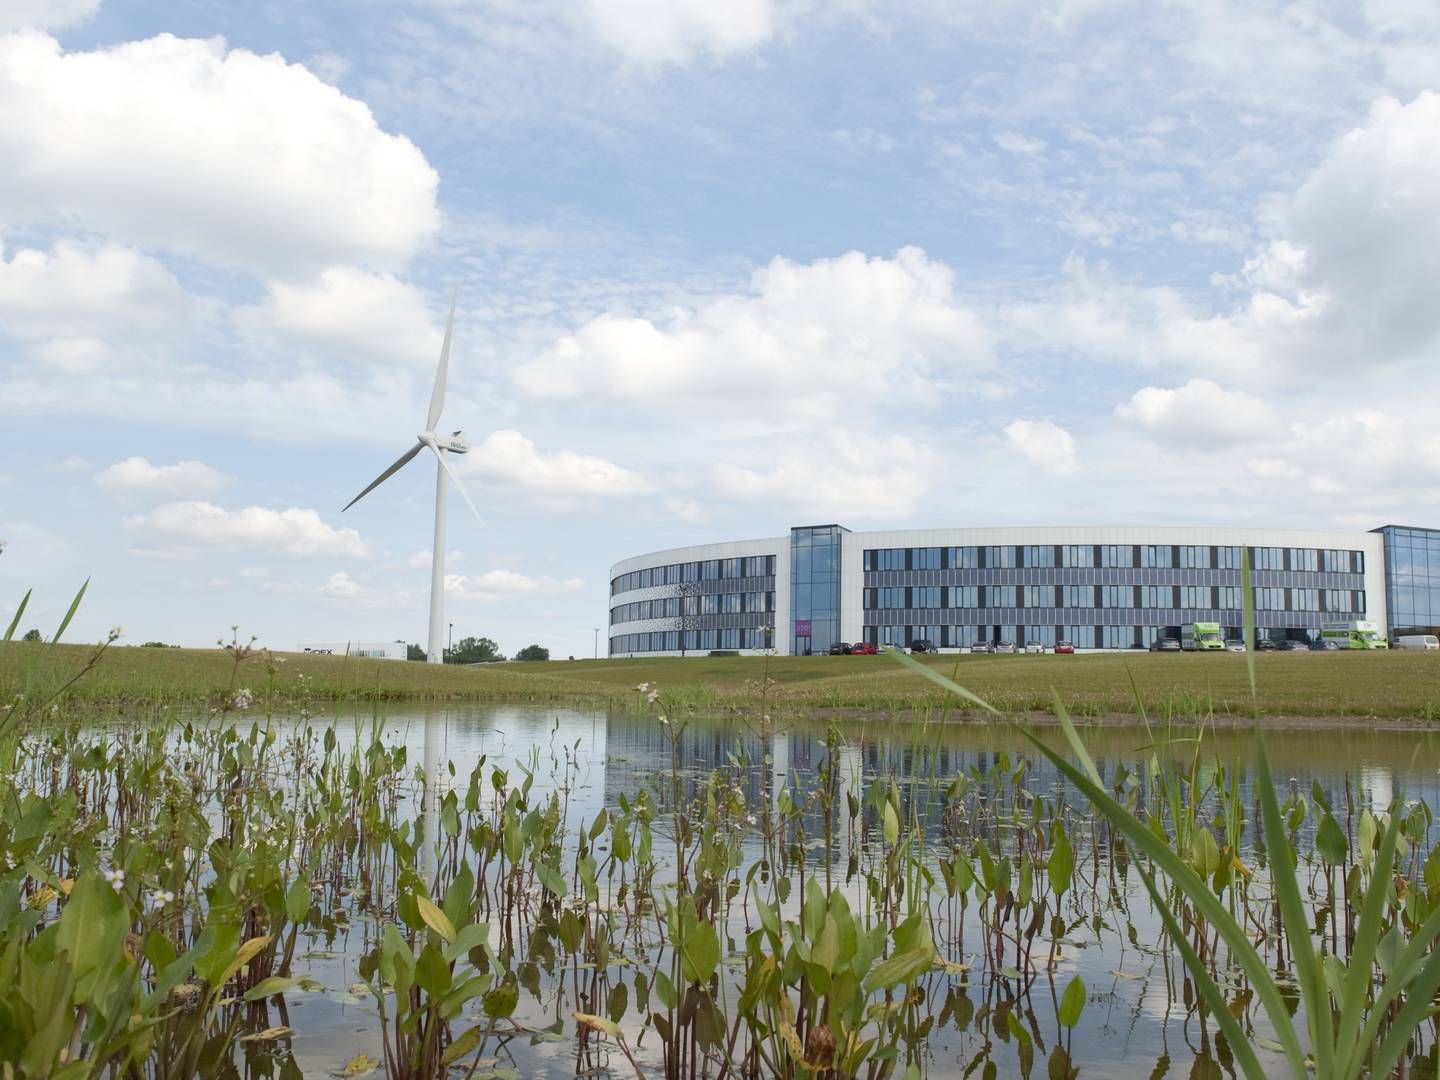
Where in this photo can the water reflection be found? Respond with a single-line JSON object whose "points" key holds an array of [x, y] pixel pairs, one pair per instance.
{"points": [[1143, 1017]]}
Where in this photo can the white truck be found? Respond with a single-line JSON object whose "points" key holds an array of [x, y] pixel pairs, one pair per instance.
{"points": [[1417, 641]]}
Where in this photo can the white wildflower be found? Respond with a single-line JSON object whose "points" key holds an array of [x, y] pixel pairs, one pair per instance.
{"points": [[159, 898], [653, 696], [644, 686], [243, 698], [116, 878]]}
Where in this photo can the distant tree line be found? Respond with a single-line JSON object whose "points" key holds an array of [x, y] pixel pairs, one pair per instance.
{"points": [[478, 650]]}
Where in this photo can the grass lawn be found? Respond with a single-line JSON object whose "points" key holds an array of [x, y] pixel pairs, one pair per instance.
{"points": [[1359, 684]]}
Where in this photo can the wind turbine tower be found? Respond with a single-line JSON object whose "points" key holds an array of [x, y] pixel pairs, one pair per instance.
{"points": [[441, 446]]}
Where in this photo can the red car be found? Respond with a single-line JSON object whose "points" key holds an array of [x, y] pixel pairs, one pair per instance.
{"points": [[863, 648], [1064, 647]]}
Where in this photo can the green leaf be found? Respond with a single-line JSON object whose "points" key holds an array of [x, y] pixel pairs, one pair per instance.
{"points": [[915, 955], [70, 614], [700, 954], [1062, 860], [10, 630], [892, 825], [466, 938], [434, 918], [1330, 841], [92, 931], [297, 899], [1072, 1003], [501, 1001], [465, 1044], [432, 973], [271, 986], [553, 880]]}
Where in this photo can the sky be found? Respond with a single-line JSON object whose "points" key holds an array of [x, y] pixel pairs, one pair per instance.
{"points": [[721, 269]]}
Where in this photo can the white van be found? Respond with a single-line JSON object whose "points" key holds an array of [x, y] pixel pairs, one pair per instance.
{"points": [[1417, 641]]}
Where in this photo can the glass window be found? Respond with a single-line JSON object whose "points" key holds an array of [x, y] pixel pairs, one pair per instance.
{"points": [[1304, 599], [1195, 596], [964, 558], [1117, 596], [1156, 555], [1040, 555], [1227, 558], [1267, 558], [1269, 599], [1080, 596], [1000, 596], [999, 557], [925, 559], [1118, 637], [1117, 555], [1195, 557], [925, 596], [1039, 596], [1157, 596], [962, 596], [1081, 555], [1304, 559], [1082, 637]]}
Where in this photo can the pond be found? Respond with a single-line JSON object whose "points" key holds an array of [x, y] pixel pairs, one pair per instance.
{"points": [[504, 891], [990, 1005]]}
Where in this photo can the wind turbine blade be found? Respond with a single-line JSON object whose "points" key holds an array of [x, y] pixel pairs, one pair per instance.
{"points": [[456, 481], [437, 395], [391, 471]]}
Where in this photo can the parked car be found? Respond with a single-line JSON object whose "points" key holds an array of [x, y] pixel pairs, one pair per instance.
{"points": [[1234, 644], [1004, 646], [1324, 645], [1290, 645], [1165, 644], [1064, 647], [922, 645], [863, 648], [840, 648], [981, 647], [1265, 644], [1034, 647]]}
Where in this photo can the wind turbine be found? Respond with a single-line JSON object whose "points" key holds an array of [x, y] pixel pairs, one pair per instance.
{"points": [[439, 445]]}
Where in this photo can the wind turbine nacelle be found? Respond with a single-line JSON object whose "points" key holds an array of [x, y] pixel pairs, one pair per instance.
{"points": [[454, 443]]}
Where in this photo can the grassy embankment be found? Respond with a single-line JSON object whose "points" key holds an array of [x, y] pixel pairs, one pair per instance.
{"points": [[1393, 685]]}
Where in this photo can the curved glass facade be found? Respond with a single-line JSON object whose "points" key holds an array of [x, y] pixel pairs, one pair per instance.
{"points": [[1097, 587], [694, 606]]}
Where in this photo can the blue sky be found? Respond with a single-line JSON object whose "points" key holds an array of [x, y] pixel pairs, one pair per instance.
{"points": [[721, 269]]}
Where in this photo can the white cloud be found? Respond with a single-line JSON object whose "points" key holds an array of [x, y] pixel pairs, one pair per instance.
{"points": [[45, 14], [1202, 412], [208, 151], [73, 356], [351, 311], [809, 339], [1017, 143], [183, 526], [498, 584], [851, 476], [690, 511], [184, 479], [673, 31], [509, 458], [74, 293], [341, 586], [1044, 444]]}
